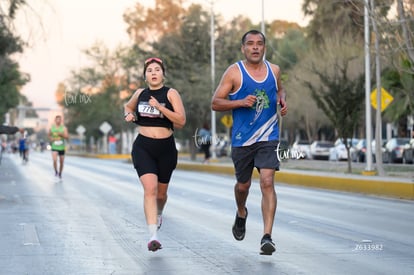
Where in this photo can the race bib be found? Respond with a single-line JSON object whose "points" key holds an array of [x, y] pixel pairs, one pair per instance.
{"points": [[58, 142], [147, 110]]}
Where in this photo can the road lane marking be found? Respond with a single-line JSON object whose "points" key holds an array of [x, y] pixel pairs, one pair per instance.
{"points": [[30, 234]]}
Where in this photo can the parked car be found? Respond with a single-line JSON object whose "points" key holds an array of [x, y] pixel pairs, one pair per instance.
{"points": [[408, 152], [338, 152], [320, 149], [394, 149], [359, 151], [223, 148], [382, 149], [301, 149]]}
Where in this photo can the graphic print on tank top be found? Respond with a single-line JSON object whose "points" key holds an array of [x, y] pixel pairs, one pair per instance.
{"points": [[262, 102]]}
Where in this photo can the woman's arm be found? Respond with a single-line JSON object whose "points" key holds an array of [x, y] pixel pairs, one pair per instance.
{"points": [[177, 117], [129, 107]]}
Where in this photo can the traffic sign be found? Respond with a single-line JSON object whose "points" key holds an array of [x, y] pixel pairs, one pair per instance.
{"points": [[386, 99], [80, 130], [105, 127], [227, 121]]}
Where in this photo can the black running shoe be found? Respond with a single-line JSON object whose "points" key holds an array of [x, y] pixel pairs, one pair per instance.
{"points": [[239, 227], [267, 247]]}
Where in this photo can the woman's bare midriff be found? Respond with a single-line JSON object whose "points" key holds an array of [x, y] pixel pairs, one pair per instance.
{"points": [[155, 132]]}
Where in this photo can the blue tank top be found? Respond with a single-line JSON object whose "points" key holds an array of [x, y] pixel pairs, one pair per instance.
{"points": [[260, 122]]}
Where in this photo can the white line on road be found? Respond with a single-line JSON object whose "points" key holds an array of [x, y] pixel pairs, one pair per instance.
{"points": [[30, 234]]}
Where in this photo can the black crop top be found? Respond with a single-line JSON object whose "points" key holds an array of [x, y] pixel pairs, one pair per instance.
{"points": [[150, 116]]}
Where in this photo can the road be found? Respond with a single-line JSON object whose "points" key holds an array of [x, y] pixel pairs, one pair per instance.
{"points": [[93, 223]]}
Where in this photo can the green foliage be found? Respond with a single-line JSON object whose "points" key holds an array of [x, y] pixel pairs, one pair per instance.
{"points": [[93, 94], [401, 85], [290, 49], [338, 18], [187, 57], [185, 47], [11, 79]]}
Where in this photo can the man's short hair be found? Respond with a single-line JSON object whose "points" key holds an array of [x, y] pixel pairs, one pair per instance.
{"points": [[243, 40]]}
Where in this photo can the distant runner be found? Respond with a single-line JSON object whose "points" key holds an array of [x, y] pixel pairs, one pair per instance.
{"points": [[57, 135]]}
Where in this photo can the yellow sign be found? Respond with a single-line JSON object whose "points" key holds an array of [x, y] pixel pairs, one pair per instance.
{"points": [[386, 99], [227, 121]]}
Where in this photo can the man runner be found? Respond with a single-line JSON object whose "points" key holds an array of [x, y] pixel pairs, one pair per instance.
{"points": [[57, 135]]}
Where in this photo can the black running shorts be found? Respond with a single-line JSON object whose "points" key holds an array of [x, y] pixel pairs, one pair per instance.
{"points": [[260, 155], [155, 156], [60, 152]]}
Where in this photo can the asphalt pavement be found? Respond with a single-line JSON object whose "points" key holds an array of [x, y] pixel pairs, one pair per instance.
{"points": [[332, 175], [92, 223]]}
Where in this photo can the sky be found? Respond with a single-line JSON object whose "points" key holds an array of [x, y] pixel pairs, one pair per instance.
{"points": [[64, 28]]}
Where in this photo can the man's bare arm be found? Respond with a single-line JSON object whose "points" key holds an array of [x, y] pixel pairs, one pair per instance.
{"points": [[220, 101]]}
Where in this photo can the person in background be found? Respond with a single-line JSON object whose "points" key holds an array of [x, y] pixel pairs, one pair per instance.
{"points": [[252, 89], [58, 133], [23, 146], [112, 143], [157, 110], [205, 141], [7, 130]]}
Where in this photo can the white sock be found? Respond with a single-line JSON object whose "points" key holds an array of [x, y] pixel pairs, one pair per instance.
{"points": [[153, 231]]}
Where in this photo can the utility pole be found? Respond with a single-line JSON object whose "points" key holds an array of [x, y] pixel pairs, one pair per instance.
{"points": [[263, 26], [368, 123], [378, 120], [213, 77]]}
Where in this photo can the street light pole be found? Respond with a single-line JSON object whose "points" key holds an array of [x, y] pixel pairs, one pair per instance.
{"points": [[263, 24], [213, 76], [368, 129]]}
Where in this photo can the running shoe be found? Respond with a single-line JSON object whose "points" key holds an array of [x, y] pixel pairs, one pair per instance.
{"points": [[159, 222], [267, 246], [154, 245], [239, 227]]}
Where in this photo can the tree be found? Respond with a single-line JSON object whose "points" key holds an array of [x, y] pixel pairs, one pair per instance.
{"points": [[397, 34], [97, 93], [187, 58], [340, 18], [401, 85], [405, 37], [10, 82], [338, 88], [290, 48], [146, 26], [11, 79]]}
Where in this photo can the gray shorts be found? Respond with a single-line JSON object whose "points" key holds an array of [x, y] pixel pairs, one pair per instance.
{"points": [[260, 155]]}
